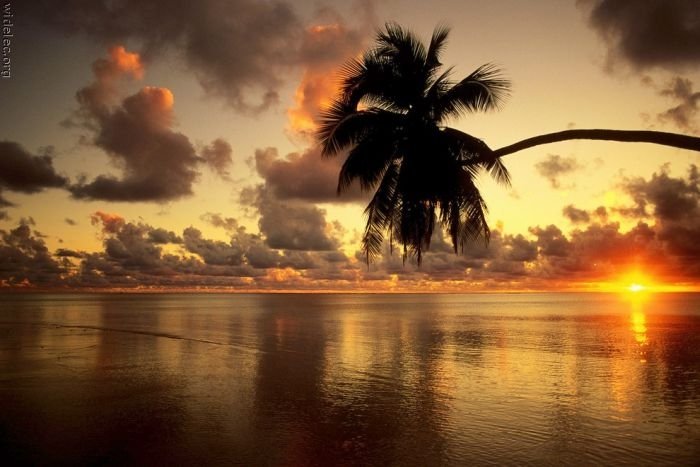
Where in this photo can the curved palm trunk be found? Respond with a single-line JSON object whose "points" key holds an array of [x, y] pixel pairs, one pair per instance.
{"points": [[631, 136]]}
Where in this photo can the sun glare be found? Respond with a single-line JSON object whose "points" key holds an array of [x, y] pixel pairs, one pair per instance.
{"points": [[635, 287]]}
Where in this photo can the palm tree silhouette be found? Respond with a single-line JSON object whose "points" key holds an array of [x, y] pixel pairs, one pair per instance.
{"points": [[390, 116]]}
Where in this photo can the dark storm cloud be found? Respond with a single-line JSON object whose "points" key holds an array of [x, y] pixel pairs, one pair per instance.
{"points": [[684, 114], [290, 225], [648, 33], [25, 259], [157, 163], [239, 50], [304, 176], [575, 215], [555, 166], [26, 173]]}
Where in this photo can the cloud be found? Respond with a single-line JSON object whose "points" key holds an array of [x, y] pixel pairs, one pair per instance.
{"points": [[304, 176], [160, 236], [674, 202], [325, 46], [291, 225], [212, 251], [649, 33], [218, 156], [66, 253], [672, 199], [111, 223], [575, 215], [26, 173], [555, 166], [25, 260], [238, 50], [217, 220], [157, 163], [684, 114]]}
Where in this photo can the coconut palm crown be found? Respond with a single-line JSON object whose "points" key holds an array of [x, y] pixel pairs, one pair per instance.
{"points": [[390, 117]]}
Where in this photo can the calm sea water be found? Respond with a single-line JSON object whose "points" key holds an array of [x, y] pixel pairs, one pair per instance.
{"points": [[532, 379]]}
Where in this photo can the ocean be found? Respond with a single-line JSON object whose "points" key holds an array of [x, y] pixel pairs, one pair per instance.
{"points": [[350, 379]]}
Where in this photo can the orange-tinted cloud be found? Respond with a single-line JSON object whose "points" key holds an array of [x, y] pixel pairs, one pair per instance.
{"points": [[158, 163], [325, 47], [111, 223]]}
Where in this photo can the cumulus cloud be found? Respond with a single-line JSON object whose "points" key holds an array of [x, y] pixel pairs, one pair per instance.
{"points": [[25, 260], [212, 251], [555, 166], [649, 33], [157, 163], [684, 114], [674, 202], [291, 225], [304, 176], [26, 173]]}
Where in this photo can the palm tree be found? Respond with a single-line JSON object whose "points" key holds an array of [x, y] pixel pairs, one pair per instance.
{"points": [[390, 116]]}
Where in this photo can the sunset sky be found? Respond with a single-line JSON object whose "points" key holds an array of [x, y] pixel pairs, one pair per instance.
{"points": [[167, 144]]}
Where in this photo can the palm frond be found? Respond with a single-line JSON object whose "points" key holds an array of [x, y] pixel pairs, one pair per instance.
{"points": [[367, 161], [379, 212], [437, 43], [340, 128], [484, 89]]}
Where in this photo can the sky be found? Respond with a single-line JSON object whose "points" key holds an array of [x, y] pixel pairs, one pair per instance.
{"points": [[169, 145]]}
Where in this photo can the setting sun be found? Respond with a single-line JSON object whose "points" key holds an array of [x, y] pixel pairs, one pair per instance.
{"points": [[636, 287]]}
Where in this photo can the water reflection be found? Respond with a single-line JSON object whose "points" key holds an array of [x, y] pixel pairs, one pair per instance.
{"points": [[333, 379], [638, 320]]}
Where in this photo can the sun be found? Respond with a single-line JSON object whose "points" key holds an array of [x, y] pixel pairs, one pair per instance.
{"points": [[634, 287]]}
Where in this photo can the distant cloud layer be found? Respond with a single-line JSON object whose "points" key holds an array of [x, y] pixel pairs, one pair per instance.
{"points": [[157, 163], [298, 248]]}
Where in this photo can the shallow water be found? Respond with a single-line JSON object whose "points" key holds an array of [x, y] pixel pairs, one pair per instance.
{"points": [[531, 379]]}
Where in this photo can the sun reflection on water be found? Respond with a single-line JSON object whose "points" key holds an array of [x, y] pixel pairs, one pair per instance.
{"points": [[639, 324]]}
